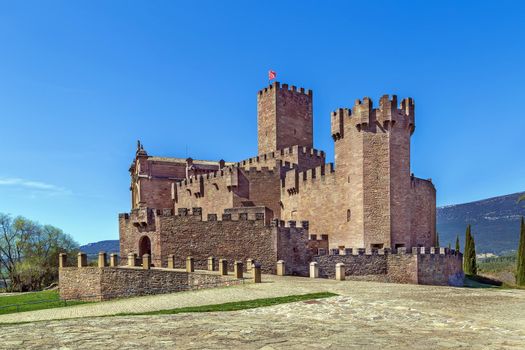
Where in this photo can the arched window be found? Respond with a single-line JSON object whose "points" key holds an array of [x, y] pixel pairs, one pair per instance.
{"points": [[348, 215]]}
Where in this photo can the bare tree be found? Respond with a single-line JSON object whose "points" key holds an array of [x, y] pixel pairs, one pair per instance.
{"points": [[29, 251]]}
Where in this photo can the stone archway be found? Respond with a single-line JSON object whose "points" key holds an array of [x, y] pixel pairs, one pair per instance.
{"points": [[144, 246]]}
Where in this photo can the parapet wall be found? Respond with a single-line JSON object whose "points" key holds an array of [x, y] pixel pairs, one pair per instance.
{"points": [[236, 235], [298, 157], [365, 117], [433, 266], [103, 283]]}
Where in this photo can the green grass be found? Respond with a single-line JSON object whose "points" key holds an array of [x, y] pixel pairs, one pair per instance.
{"points": [[238, 305], [32, 301]]}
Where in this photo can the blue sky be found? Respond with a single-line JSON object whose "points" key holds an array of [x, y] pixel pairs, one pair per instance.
{"points": [[81, 81]]}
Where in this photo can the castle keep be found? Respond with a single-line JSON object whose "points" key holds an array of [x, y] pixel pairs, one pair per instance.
{"points": [[286, 203]]}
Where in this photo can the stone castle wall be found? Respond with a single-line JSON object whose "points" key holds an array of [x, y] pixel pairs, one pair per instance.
{"points": [[104, 283], [439, 267], [248, 237]]}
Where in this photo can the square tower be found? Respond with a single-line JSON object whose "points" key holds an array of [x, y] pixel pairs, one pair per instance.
{"points": [[284, 118]]}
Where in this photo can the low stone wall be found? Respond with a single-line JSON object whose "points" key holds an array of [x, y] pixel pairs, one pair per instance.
{"points": [[356, 265], [103, 283], [440, 269], [421, 266]]}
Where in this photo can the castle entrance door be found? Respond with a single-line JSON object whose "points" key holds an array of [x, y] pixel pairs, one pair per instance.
{"points": [[144, 246]]}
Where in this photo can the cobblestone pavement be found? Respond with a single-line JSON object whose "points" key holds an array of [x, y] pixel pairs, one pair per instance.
{"points": [[365, 315]]}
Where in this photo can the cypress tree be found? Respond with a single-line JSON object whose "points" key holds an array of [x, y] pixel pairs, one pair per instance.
{"points": [[437, 239], [457, 243], [469, 256], [520, 272]]}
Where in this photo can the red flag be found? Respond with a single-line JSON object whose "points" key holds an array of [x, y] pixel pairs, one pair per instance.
{"points": [[271, 75]]}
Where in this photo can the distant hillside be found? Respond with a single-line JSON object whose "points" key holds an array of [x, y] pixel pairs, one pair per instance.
{"points": [[495, 223], [110, 246]]}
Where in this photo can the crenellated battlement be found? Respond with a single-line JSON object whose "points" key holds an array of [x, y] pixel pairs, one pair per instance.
{"points": [[302, 152], [284, 87], [338, 118], [398, 251], [365, 117], [295, 179], [416, 181], [261, 215], [226, 171]]}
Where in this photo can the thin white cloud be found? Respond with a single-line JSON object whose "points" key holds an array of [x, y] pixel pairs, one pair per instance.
{"points": [[15, 182]]}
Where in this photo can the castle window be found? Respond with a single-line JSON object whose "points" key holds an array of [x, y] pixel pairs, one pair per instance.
{"points": [[324, 237], [313, 237], [216, 186], [294, 132], [348, 215], [189, 192]]}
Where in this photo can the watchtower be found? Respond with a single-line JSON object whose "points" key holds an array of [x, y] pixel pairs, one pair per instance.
{"points": [[372, 156], [284, 117]]}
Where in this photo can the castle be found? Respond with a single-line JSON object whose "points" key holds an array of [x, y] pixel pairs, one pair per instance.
{"points": [[286, 203]]}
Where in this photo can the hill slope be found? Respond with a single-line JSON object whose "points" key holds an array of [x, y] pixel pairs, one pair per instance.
{"points": [[495, 223], [109, 246]]}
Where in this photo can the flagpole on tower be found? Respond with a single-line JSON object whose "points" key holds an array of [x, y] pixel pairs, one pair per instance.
{"points": [[271, 76]]}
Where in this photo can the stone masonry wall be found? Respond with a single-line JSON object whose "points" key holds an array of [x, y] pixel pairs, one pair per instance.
{"points": [[233, 187], [423, 213], [293, 249], [439, 268], [189, 235], [356, 265], [284, 118], [74, 283], [94, 283]]}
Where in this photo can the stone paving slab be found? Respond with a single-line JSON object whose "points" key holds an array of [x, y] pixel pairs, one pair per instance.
{"points": [[364, 315], [335, 323]]}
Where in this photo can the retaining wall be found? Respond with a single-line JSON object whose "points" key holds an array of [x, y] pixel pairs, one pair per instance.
{"points": [[96, 283]]}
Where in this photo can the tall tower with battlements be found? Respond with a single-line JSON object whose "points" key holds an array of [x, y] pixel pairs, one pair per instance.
{"points": [[284, 118], [372, 157]]}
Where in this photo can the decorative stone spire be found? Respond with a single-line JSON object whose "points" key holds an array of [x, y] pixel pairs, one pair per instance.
{"points": [[140, 149]]}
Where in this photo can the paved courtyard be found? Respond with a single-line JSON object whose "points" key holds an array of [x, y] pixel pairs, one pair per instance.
{"points": [[364, 315]]}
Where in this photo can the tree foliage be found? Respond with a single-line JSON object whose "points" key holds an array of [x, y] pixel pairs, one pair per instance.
{"points": [[29, 253], [469, 256], [520, 271], [457, 244]]}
